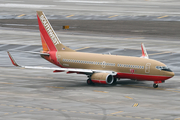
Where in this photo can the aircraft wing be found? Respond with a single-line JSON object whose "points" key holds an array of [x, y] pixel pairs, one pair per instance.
{"points": [[68, 70], [40, 53]]}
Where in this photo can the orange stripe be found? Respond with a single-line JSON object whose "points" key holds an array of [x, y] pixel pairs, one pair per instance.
{"points": [[45, 35], [44, 45]]}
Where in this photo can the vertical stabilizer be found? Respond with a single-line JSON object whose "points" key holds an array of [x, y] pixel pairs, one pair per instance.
{"points": [[144, 52], [50, 41]]}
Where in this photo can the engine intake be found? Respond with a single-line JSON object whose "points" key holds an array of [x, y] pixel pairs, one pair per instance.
{"points": [[103, 78]]}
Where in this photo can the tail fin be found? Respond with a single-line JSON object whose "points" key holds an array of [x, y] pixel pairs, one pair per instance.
{"points": [[49, 39], [144, 53]]}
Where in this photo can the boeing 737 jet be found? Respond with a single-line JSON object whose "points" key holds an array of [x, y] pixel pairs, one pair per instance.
{"points": [[99, 68]]}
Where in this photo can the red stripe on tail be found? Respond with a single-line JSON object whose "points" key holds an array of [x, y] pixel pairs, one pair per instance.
{"points": [[45, 35]]}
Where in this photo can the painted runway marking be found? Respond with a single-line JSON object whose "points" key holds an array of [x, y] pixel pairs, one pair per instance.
{"points": [[24, 46], [134, 38], [128, 97], [82, 48], [100, 91], [117, 112], [153, 88], [13, 76], [69, 16], [5, 83], [112, 16], [3, 45], [21, 15], [159, 53], [147, 118], [55, 87], [8, 5], [135, 104], [163, 16], [38, 49]]}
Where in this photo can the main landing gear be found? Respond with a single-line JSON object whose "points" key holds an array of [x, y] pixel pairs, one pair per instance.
{"points": [[89, 82], [155, 85], [114, 81]]}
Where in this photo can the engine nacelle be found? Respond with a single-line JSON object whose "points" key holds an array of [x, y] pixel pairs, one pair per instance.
{"points": [[103, 78]]}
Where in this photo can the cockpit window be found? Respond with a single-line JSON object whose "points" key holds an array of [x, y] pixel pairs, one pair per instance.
{"points": [[165, 68]]}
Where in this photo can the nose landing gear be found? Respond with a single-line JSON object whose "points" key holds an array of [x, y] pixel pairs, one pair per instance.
{"points": [[155, 85]]}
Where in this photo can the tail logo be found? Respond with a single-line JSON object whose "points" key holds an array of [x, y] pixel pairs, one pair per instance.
{"points": [[49, 30]]}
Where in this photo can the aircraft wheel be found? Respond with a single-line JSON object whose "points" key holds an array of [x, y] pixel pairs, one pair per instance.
{"points": [[114, 81], [155, 85], [89, 82]]}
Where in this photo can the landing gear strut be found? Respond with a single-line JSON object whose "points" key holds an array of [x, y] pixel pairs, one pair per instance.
{"points": [[155, 85], [89, 82], [114, 81]]}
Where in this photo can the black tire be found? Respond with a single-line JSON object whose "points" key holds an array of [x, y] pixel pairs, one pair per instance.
{"points": [[155, 85], [114, 81]]}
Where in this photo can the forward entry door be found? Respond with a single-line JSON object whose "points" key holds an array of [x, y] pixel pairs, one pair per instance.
{"points": [[147, 67]]}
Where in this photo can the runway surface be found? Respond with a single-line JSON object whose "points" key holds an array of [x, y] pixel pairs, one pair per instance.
{"points": [[41, 94], [97, 27], [167, 10]]}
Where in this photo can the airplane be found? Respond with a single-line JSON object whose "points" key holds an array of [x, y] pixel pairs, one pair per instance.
{"points": [[99, 68]]}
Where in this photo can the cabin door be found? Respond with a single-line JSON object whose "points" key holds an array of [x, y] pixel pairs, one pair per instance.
{"points": [[147, 68]]}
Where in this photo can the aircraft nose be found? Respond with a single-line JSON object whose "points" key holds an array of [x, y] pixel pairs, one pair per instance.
{"points": [[171, 74]]}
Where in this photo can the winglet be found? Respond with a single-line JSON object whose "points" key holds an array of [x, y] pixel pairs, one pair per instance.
{"points": [[144, 53], [12, 60]]}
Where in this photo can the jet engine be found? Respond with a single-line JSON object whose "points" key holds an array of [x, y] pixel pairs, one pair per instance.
{"points": [[103, 78]]}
